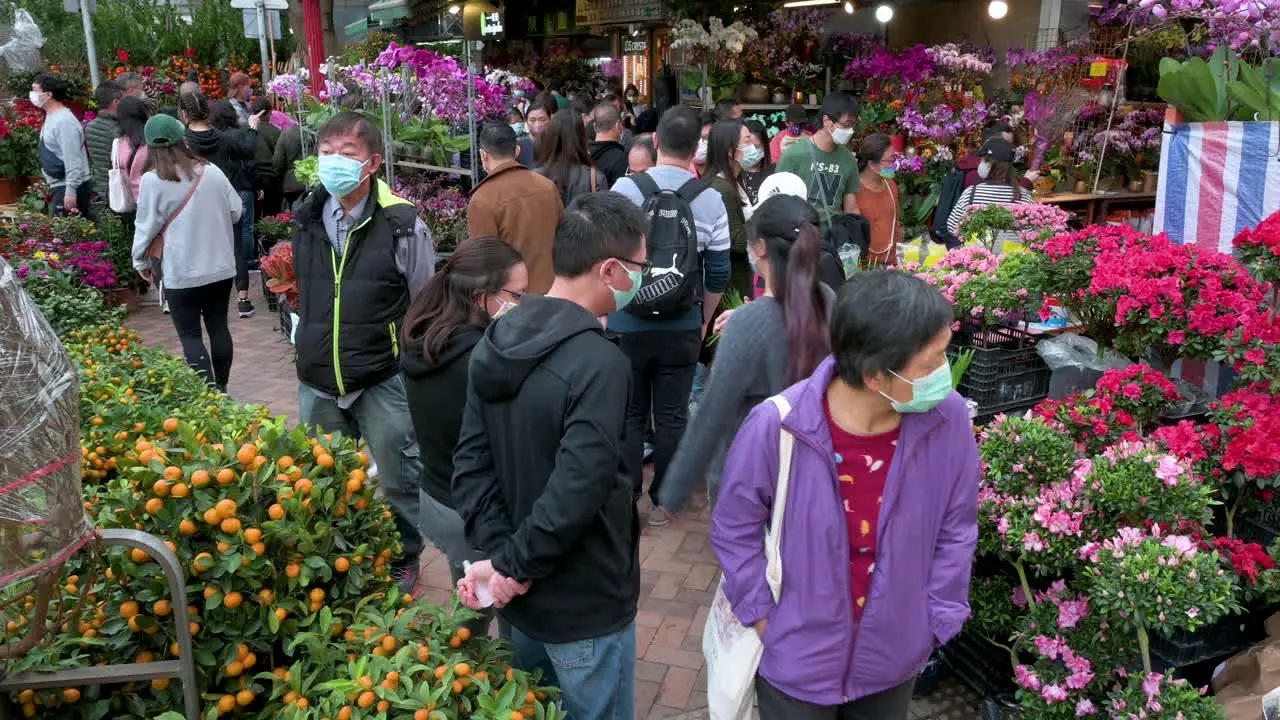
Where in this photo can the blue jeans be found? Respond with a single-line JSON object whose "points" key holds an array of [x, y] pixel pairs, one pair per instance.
{"points": [[243, 232], [381, 416], [596, 677]]}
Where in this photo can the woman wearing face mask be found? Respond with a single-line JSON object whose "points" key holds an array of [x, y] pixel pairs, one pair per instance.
{"points": [[725, 150], [700, 154], [880, 520], [483, 279], [879, 199], [999, 185], [766, 345], [756, 165]]}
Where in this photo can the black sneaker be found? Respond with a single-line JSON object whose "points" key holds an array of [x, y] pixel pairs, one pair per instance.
{"points": [[246, 308]]}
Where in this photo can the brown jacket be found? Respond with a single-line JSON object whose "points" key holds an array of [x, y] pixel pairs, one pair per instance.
{"points": [[523, 208]]}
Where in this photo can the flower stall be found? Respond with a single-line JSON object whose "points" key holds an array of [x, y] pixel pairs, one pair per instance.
{"points": [[711, 56]]}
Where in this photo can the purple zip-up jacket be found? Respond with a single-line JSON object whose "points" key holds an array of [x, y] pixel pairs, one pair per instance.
{"points": [[926, 535]]}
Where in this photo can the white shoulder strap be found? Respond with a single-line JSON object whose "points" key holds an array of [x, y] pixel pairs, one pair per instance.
{"points": [[773, 538], [115, 148]]}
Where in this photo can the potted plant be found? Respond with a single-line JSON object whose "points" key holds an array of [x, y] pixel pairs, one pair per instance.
{"points": [[716, 48]]}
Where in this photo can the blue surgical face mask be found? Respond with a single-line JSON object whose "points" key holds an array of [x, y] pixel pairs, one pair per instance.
{"points": [[927, 393], [340, 175], [518, 128], [984, 169], [751, 157], [888, 172], [623, 298]]}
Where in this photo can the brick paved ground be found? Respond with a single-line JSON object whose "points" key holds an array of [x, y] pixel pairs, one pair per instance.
{"points": [[678, 566]]}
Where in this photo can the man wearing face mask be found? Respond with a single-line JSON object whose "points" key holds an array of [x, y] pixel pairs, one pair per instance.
{"points": [[540, 477], [63, 156], [516, 204], [825, 163], [360, 252]]}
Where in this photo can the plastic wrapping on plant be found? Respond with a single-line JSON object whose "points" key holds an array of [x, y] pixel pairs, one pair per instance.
{"points": [[41, 520]]}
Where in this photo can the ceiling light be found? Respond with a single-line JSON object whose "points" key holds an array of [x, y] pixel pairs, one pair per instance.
{"points": [[455, 9], [809, 3], [884, 13], [998, 9], [848, 7]]}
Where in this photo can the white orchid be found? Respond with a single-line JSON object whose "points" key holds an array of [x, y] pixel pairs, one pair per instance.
{"points": [[731, 39]]}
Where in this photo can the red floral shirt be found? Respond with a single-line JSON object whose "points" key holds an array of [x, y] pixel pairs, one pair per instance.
{"points": [[862, 462]]}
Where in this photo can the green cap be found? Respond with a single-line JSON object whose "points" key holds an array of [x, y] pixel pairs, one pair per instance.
{"points": [[164, 131]]}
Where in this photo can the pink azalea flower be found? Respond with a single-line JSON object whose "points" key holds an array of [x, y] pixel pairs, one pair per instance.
{"points": [[1053, 693], [1085, 707]]}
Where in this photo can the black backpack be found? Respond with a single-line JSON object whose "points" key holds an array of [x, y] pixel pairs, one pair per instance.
{"points": [[948, 196], [674, 275]]}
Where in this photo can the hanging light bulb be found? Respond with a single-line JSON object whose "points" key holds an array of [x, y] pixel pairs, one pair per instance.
{"points": [[848, 7], [998, 9], [455, 9], [884, 13]]}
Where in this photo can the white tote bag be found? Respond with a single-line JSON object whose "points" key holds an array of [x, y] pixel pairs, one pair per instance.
{"points": [[732, 650], [118, 196]]}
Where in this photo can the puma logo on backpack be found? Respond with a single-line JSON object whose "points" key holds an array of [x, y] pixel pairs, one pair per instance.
{"points": [[674, 273]]}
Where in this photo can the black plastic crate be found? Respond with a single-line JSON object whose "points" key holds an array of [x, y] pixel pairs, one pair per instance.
{"points": [[1006, 371], [985, 668], [273, 300], [284, 319]]}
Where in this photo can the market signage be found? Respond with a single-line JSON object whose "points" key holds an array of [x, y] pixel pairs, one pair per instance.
{"points": [[490, 24], [635, 47], [609, 12]]}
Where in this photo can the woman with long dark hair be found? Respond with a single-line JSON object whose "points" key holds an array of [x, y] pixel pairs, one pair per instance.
{"points": [[212, 135], [131, 151], [563, 157], [765, 346], [725, 145], [878, 199], [756, 165], [483, 279], [187, 210]]}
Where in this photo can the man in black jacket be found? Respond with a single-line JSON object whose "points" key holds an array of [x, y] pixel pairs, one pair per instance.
{"points": [[539, 473], [360, 252], [607, 152]]}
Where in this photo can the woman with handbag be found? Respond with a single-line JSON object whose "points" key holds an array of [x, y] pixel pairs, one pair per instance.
{"points": [[187, 210], [866, 473]]}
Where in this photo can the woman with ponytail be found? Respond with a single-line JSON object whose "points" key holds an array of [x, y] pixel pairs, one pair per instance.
{"points": [[766, 345], [483, 279]]}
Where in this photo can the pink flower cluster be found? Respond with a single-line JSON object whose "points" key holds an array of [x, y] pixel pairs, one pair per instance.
{"points": [[1037, 221], [442, 83], [1055, 649]]}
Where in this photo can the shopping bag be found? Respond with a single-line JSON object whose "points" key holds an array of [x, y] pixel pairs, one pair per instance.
{"points": [[733, 650]]}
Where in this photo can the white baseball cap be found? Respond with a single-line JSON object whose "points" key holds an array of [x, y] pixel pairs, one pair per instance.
{"points": [[784, 183]]}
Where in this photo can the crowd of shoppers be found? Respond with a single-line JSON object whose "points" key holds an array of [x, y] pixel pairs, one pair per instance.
{"points": [[507, 399]]}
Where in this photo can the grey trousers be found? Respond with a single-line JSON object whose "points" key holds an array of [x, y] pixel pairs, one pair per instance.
{"points": [[891, 704], [444, 528]]}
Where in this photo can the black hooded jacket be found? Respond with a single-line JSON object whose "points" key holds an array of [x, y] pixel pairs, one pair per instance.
{"points": [[539, 472], [231, 150], [610, 158], [437, 392]]}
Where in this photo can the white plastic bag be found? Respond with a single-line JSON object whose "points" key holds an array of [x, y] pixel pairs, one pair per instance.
{"points": [[118, 195], [22, 51], [732, 650]]}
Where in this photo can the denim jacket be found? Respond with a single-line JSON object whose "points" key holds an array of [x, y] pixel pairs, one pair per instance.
{"points": [[926, 535]]}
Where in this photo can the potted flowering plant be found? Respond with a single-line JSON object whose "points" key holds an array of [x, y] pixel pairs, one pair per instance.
{"points": [[1253, 350], [1122, 405], [971, 280], [1175, 299], [1031, 510], [1132, 483], [274, 229], [1058, 684], [716, 48], [1259, 249], [279, 269], [1137, 694], [1152, 580]]}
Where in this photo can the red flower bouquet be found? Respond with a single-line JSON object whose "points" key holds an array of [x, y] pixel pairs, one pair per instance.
{"points": [[278, 266], [1259, 249]]}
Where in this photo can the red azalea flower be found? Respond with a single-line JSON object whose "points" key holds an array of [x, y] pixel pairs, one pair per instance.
{"points": [[122, 55], [189, 53]]}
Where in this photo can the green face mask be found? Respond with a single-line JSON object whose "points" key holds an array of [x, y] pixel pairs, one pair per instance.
{"points": [[622, 298], [926, 393]]}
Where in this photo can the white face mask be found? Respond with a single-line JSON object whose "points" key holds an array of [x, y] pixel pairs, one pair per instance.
{"points": [[37, 98], [700, 155], [984, 169], [841, 135]]}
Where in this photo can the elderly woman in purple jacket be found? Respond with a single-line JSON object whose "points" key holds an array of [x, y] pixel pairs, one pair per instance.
{"points": [[881, 521]]}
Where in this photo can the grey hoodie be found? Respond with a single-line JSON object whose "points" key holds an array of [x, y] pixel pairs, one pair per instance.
{"points": [[198, 246], [63, 136]]}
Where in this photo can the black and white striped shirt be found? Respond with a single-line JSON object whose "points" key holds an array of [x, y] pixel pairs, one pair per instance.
{"points": [[984, 194]]}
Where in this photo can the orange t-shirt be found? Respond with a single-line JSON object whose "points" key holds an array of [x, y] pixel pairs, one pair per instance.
{"points": [[884, 211]]}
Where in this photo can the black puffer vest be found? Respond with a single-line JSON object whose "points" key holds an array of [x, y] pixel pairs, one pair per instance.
{"points": [[353, 302]]}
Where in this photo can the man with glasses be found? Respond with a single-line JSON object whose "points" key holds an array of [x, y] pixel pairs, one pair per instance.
{"points": [[663, 345], [539, 473], [825, 163]]}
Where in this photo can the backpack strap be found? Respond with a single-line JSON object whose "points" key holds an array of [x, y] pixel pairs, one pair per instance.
{"points": [[692, 189], [648, 187]]}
